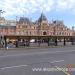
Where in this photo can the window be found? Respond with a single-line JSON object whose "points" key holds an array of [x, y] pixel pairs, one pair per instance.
{"points": [[62, 33], [24, 26], [34, 27], [26, 32], [20, 26], [44, 33], [30, 33]]}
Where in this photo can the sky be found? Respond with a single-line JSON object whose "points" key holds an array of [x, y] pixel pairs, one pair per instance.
{"points": [[53, 9]]}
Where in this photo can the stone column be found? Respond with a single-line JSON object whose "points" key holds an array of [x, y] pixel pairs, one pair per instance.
{"points": [[28, 42], [72, 41], [39, 41], [5, 41], [17, 44], [48, 41], [56, 42], [64, 42]]}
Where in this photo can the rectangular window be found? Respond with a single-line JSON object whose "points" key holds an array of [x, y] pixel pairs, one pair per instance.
{"points": [[30, 33], [34, 27]]}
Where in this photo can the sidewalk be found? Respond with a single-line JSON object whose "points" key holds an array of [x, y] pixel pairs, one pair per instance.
{"points": [[15, 51], [36, 47], [32, 47]]}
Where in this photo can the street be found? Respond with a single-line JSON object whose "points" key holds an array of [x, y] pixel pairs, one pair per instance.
{"points": [[26, 61]]}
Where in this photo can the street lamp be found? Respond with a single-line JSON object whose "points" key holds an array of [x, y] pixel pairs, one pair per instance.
{"points": [[0, 24], [1, 12]]}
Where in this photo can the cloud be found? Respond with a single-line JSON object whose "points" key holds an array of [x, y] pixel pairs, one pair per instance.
{"points": [[65, 5], [20, 7]]}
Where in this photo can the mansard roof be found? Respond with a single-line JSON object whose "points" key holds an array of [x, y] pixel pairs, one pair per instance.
{"points": [[58, 22], [3, 26], [2, 18], [24, 20]]}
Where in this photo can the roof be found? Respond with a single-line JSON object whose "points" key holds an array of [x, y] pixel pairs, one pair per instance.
{"points": [[42, 18], [24, 20], [3, 26], [2, 18], [58, 22]]}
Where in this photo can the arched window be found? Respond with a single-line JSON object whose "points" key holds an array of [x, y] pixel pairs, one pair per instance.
{"points": [[44, 33]]}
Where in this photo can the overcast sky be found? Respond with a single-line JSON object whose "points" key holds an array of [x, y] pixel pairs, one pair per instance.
{"points": [[53, 9]]}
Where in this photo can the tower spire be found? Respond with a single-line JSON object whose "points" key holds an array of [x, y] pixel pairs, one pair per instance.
{"points": [[42, 18]]}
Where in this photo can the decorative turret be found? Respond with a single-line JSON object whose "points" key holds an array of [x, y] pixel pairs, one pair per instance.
{"points": [[42, 18]]}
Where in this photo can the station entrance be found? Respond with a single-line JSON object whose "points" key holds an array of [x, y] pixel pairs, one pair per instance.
{"points": [[27, 41]]}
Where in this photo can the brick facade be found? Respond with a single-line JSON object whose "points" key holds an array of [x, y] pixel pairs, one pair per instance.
{"points": [[39, 28]]}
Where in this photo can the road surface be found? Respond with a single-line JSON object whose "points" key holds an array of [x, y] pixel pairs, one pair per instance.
{"points": [[27, 61]]}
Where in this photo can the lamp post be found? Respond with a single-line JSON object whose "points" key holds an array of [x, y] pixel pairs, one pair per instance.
{"points": [[1, 12]]}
